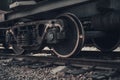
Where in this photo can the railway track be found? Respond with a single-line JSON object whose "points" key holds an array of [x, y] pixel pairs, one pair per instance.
{"points": [[83, 72], [98, 62], [83, 54], [101, 68]]}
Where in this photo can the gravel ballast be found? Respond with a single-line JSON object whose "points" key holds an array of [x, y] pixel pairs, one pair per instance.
{"points": [[11, 69]]}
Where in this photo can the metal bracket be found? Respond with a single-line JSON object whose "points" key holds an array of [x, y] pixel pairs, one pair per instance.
{"points": [[22, 3]]}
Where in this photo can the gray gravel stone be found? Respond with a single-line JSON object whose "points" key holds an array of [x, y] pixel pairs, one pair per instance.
{"points": [[13, 70]]}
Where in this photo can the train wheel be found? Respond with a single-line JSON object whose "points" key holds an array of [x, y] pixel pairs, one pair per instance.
{"points": [[74, 37], [109, 42]]}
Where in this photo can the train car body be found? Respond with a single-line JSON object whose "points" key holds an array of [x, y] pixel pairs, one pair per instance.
{"points": [[64, 25]]}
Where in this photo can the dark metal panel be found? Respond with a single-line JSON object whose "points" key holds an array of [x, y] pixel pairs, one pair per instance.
{"points": [[43, 8], [109, 4], [85, 10], [4, 4]]}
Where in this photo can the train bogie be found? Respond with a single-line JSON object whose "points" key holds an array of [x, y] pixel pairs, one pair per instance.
{"points": [[64, 26]]}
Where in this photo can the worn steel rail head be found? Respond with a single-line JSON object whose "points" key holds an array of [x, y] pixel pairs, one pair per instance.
{"points": [[114, 64]]}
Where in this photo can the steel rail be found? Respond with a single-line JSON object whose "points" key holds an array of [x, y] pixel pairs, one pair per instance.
{"points": [[72, 61], [82, 54]]}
